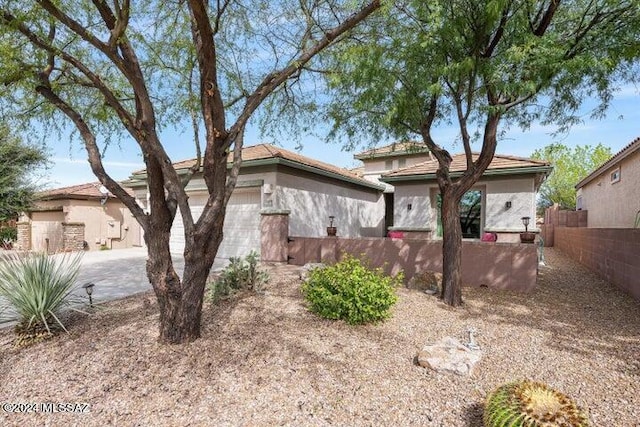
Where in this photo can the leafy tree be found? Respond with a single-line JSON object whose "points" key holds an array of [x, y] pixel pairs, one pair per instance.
{"points": [[114, 68], [481, 65], [18, 161], [570, 165]]}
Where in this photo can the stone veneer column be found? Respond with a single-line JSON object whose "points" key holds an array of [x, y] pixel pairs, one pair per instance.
{"points": [[274, 235], [72, 236], [23, 242]]}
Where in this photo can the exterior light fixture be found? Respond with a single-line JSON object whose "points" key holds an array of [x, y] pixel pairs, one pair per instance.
{"points": [[507, 205], [331, 230], [525, 221], [88, 287]]}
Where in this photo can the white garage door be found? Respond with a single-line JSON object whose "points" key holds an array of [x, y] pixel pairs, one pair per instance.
{"points": [[241, 225]]}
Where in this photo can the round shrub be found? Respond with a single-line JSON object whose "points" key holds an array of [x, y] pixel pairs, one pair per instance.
{"points": [[351, 291]]}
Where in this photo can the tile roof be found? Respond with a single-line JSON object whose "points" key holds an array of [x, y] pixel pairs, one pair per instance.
{"points": [[269, 151], [89, 190], [394, 149], [632, 147], [459, 164]]}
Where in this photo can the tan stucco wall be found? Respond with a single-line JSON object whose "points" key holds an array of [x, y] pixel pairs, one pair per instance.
{"points": [[102, 224], [421, 213], [614, 205], [495, 216], [374, 168], [358, 212], [111, 223]]}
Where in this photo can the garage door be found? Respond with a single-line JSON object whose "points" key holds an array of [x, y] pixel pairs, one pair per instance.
{"points": [[241, 225]]}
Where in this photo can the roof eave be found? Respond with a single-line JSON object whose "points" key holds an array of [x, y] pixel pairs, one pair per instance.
{"points": [[611, 163], [491, 172], [285, 162]]}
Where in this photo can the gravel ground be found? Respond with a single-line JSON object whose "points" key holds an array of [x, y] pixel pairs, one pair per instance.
{"points": [[265, 360]]}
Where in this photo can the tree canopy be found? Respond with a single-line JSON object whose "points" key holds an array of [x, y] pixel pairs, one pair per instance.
{"points": [[481, 66], [570, 165], [114, 69], [18, 161]]}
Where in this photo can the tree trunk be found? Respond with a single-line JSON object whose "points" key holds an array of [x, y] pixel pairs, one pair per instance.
{"points": [[451, 248], [180, 302]]}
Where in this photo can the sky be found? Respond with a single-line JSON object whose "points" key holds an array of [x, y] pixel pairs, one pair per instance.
{"points": [[69, 165]]}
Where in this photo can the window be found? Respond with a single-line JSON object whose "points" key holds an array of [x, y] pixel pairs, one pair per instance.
{"points": [[615, 176], [388, 165], [402, 163], [470, 214]]}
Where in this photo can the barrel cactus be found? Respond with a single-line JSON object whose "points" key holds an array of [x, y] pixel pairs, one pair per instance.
{"points": [[531, 404]]}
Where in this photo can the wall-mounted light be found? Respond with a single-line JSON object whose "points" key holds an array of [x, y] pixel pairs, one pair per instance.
{"points": [[409, 207], [507, 205]]}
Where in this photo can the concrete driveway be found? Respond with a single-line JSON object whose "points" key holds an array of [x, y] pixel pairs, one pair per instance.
{"points": [[121, 272], [118, 273]]}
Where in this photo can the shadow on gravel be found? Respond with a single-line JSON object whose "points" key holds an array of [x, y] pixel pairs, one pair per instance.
{"points": [[584, 314], [473, 415]]}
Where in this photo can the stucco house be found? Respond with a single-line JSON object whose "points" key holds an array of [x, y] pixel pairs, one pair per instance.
{"points": [[505, 193], [611, 193], [275, 181], [79, 217]]}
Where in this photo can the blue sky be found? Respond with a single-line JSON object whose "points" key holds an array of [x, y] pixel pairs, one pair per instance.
{"points": [[621, 126]]}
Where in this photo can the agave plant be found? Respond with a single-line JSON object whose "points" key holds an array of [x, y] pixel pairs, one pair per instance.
{"points": [[38, 287], [531, 404]]}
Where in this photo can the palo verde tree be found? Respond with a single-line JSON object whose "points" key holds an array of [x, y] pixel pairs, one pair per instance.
{"points": [[570, 165], [480, 66], [17, 164], [115, 67]]}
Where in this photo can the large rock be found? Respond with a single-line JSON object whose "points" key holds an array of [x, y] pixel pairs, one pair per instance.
{"points": [[427, 281], [449, 355], [305, 269]]}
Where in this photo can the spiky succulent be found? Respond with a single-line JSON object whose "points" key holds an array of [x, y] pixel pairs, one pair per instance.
{"points": [[531, 404]]}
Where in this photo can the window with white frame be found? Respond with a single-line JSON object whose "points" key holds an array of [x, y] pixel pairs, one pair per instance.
{"points": [[615, 175]]}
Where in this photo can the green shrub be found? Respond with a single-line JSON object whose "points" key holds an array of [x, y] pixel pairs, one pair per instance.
{"points": [[531, 404], [9, 234], [37, 287], [240, 274], [351, 291]]}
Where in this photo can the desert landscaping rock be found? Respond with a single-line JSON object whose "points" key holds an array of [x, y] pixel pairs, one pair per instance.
{"points": [[449, 355], [265, 360], [305, 269]]}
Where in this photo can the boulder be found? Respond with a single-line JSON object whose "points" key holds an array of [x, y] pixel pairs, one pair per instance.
{"points": [[305, 269], [449, 355], [426, 281]]}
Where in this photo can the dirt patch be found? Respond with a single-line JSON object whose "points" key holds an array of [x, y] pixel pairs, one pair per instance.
{"points": [[265, 360]]}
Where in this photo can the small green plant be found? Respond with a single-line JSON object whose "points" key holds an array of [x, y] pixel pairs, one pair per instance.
{"points": [[351, 291], [37, 287], [531, 404], [9, 234], [105, 248], [240, 274]]}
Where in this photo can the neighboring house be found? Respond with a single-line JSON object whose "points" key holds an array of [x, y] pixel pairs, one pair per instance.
{"points": [[79, 217], [497, 202], [611, 193], [273, 180]]}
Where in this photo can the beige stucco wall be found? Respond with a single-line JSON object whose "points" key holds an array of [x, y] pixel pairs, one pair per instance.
{"points": [[358, 212], [374, 168], [111, 224], [521, 193], [495, 216], [614, 205], [421, 213]]}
